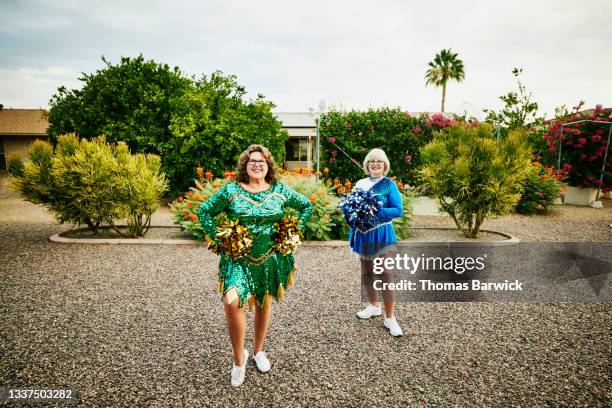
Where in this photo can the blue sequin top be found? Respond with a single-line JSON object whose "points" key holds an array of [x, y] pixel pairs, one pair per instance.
{"points": [[375, 239]]}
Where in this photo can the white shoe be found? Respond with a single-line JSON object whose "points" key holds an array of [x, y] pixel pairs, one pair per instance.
{"points": [[369, 311], [394, 328], [239, 371], [263, 364]]}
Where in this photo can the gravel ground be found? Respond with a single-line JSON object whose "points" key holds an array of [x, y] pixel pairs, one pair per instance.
{"points": [[142, 326]]}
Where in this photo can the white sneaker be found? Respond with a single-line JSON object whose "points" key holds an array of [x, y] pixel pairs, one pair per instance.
{"points": [[394, 328], [263, 364], [239, 371], [369, 311]]}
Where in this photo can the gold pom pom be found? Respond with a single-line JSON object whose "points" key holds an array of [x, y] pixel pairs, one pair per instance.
{"points": [[233, 239], [288, 235]]}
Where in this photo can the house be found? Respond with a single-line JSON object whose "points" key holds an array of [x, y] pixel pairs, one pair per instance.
{"points": [[19, 128], [300, 148]]}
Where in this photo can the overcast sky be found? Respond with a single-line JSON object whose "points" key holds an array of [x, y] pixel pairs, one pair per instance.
{"points": [[353, 54]]}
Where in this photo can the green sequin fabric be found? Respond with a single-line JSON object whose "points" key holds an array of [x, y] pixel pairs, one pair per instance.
{"points": [[262, 271]]}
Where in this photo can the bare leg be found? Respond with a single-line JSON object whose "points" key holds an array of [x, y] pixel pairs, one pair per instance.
{"points": [[236, 326], [367, 279], [261, 322], [388, 295]]}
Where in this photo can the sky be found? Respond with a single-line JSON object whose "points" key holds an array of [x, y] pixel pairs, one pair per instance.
{"points": [[313, 54]]}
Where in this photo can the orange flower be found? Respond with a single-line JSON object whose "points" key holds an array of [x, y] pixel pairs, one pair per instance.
{"points": [[347, 185], [394, 178], [200, 172], [313, 198], [193, 217], [319, 173], [181, 199], [326, 170], [209, 174], [544, 177], [189, 203], [537, 164], [197, 197]]}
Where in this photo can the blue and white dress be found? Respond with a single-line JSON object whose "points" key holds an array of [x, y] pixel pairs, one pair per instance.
{"points": [[378, 238]]}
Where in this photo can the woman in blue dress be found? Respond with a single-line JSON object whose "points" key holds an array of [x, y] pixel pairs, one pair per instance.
{"points": [[379, 240]]}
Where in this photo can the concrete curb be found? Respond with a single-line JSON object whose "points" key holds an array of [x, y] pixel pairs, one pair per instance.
{"points": [[59, 238]]}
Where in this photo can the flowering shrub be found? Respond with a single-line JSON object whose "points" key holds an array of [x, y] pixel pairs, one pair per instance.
{"points": [[542, 187], [583, 146], [185, 208], [398, 133], [325, 221]]}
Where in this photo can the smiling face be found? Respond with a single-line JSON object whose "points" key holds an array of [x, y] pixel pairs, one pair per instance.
{"points": [[376, 168], [257, 167]]}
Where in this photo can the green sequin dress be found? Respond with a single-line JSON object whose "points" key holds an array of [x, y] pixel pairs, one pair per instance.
{"points": [[261, 272]]}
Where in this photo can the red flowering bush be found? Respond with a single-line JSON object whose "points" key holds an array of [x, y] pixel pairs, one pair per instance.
{"points": [[583, 140], [348, 136]]}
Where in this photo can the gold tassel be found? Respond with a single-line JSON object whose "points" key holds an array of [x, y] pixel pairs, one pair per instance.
{"points": [[250, 302], [281, 292], [220, 286], [290, 278]]}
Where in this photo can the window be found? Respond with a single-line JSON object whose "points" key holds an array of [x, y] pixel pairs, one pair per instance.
{"points": [[297, 149]]}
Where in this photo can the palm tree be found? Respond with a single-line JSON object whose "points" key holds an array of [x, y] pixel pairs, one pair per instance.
{"points": [[445, 66]]}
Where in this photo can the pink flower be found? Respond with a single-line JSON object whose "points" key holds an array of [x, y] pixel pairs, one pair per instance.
{"points": [[331, 139], [334, 153], [598, 106], [567, 166], [372, 126], [582, 140], [546, 137], [349, 125], [561, 137], [569, 143], [408, 157], [583, 157], [595, 138], [407, 115], [537, 157], [592, 158], [598, 183], [578, 146], [417, 129]]}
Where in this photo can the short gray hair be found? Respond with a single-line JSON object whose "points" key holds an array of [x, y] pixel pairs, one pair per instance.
{"points": [[377, 154]]}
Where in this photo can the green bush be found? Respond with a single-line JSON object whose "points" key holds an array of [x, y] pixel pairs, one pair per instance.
{"points": [[326, 219], [541, 188], [14, 165], [93, 183], [159, 110], [474, 176]]}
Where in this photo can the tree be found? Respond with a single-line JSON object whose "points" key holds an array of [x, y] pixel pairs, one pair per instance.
{"points": [[473, 175], [519, 110], [189, 123], [445, 66]]}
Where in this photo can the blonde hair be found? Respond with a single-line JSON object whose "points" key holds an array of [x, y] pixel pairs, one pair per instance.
{"points": [[376, 154]]}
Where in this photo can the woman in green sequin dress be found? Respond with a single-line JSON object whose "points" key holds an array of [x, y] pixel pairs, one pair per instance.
{"points": [[258, 201]]}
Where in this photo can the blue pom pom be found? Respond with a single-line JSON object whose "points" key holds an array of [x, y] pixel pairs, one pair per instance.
{"points": [[360, 208]]}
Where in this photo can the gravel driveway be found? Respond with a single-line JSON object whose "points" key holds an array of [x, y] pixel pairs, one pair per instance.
{"points": [[142, 326]]}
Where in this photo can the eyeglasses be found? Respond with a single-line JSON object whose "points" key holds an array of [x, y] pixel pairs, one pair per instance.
{"points": [[375, 161], [261, 163]]}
